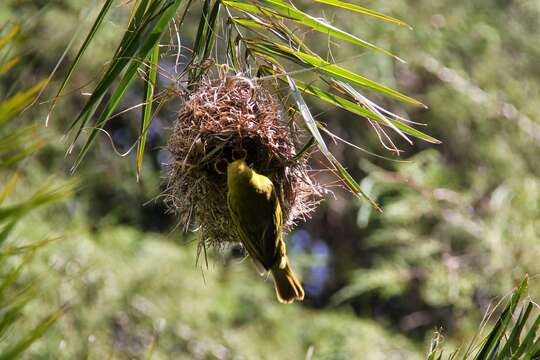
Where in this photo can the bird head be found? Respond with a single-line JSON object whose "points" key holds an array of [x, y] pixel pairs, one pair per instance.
{"points": [[238, 170]]}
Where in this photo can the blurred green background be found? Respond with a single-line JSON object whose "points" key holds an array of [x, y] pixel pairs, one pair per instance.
{"points": [[460, 226]]}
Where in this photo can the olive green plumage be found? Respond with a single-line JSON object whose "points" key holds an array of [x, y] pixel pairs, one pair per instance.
{"points": [[256, 212]]}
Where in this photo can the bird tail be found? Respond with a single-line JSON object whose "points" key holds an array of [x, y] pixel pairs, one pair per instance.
{"points": [[288, 287]]}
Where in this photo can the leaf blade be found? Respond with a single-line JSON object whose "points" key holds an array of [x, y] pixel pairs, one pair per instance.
{"points": [[147, 108], [363, 10]]}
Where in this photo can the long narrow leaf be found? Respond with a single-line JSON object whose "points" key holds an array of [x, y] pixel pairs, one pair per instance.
{"points": [[128, 50], [359, 110], [8, 187], [147, 107], [16, 350], [333, 70], [22, 153], [7, 38], [205, 39], [285, 10], [12, 276], [512, 343], [15, 104], [136, 20], [48, 193], [93, 31], [148, 42], [353, 185], [344, 74], [308, 118], [313, 128], [10, 315], [493, 339], [7, 229], [528, 340], [368, 104], [363, 10], [4, 68]]}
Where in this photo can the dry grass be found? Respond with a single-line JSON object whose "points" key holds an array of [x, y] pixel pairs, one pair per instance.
{"points": [[217, 120]]}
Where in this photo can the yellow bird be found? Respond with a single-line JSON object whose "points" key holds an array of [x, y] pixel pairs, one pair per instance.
{"points": [[256, 212]]}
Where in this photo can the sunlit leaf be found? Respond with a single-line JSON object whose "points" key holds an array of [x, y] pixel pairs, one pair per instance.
{"points": [[4, 68], [15, 104], [9, 36], [91, 34], [139, 48], [362, 10], [359, 110], [314, 130], [285, 10]]}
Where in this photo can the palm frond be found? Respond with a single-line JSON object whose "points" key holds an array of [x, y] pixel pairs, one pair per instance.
{"points": [[260, 37], [514, 335]]}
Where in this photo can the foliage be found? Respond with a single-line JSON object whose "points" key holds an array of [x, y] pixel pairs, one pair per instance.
{"points": [[17, 290], [260, 39], [513, 336], [460, 220], [138, 295], [460, 225]]}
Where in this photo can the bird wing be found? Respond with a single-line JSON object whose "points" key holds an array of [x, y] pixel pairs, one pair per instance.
{"points": [[271, 236], [274, 239], [259, 227]]}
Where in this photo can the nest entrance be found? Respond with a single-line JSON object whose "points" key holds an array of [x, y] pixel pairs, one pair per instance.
{"points": [[215, 121]]}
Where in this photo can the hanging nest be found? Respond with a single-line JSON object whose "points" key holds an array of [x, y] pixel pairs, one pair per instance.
{"points": [[216, 121]]}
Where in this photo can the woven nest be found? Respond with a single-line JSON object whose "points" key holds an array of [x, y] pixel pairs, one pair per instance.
{"points": [[214, 122]]}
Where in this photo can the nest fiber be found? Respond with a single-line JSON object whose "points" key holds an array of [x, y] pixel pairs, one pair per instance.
{"points": [[215, 122]]}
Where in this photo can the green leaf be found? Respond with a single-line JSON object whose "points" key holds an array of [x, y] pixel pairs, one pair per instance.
{"points": [[359, 110], [10, 250], [130, 49], [284, 10], [4, 68], [11, 315], [7, 38], [363, 10], [232, 46], [9, 187], [17, 138], [368, 104], [205, 39], [21, 154], [529, 339], [313, 129], [249, 23], [48, 193], [308, 118], [16, 350], [341, 73], [93, 31], [147, 107], [333, 70], [17, 103], [139, 48], [12, 276], [513, 340], [353, 185], [493, 339], [6, 229], [304, 149]]}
